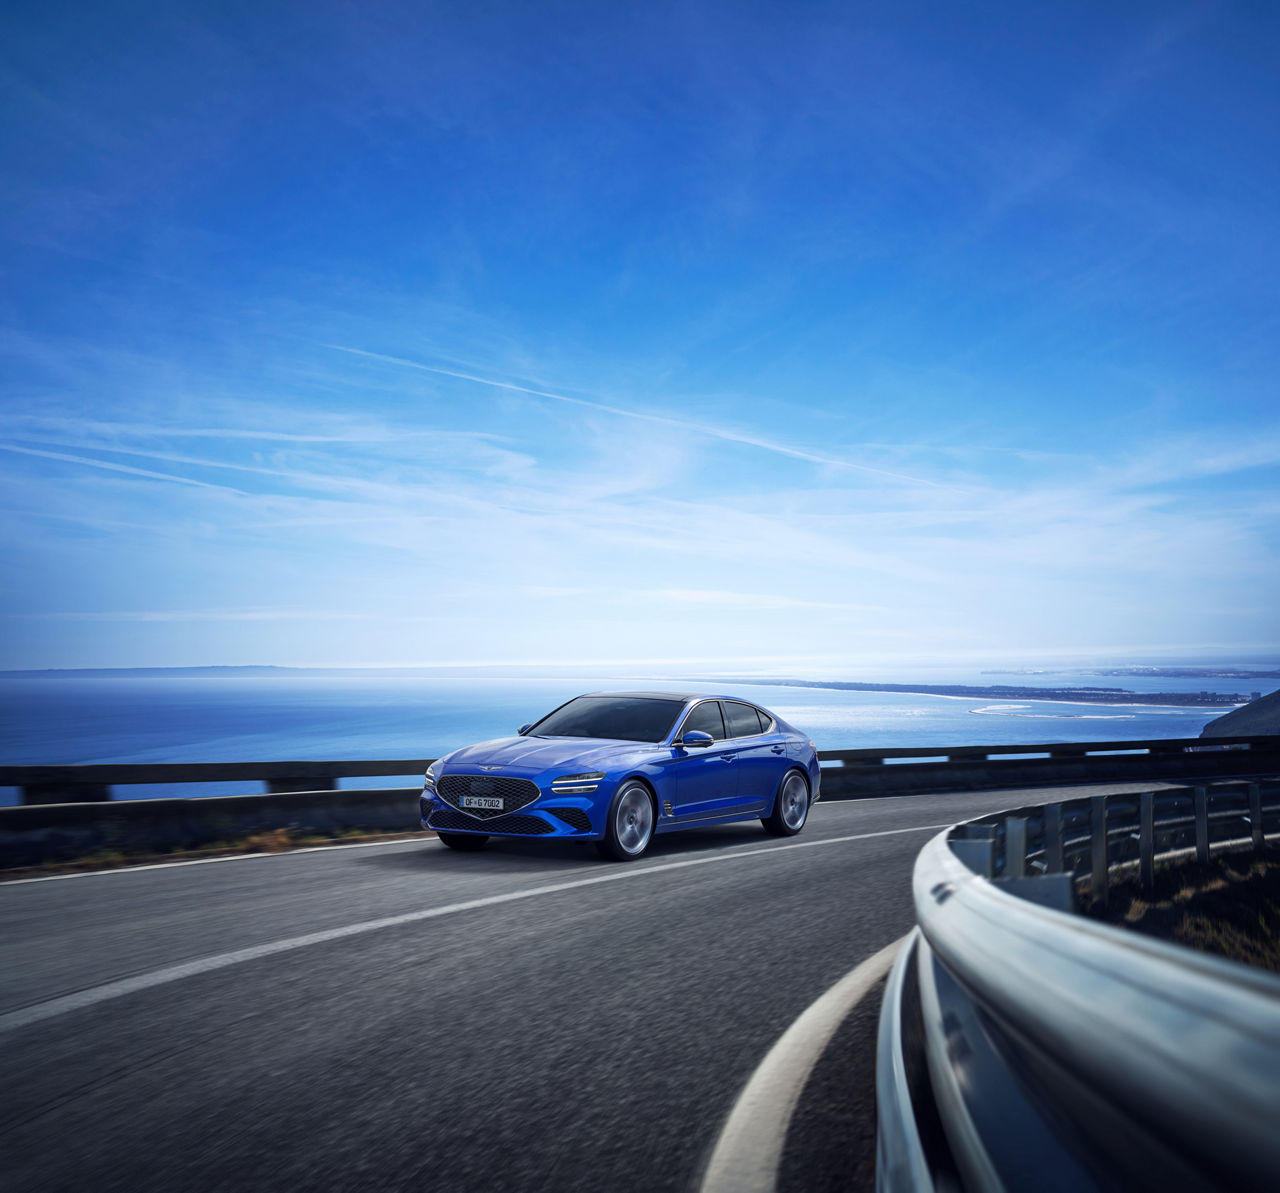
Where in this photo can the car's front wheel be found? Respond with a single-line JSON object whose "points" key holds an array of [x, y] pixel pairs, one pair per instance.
{"points": [[629, 827], [467, 842], [791, 808]]}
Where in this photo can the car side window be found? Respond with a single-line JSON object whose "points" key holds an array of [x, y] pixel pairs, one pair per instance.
{"points": [[706, 718], [765, 720], [742, 718]]}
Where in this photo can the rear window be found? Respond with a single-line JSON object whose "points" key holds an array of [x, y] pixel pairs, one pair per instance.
{"points": [[624, 718], [742, 718]]}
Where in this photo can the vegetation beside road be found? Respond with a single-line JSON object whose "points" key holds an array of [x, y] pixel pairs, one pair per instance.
{"points": [[275, 841], [1230, 907]]}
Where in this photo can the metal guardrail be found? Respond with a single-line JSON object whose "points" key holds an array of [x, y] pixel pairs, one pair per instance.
{"points": [[1066, 749], [94, 782], [845, 773], [1025, 1047]]}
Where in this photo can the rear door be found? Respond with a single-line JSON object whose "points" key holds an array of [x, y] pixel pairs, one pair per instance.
{"points": [[761, 754], [706, 779]]}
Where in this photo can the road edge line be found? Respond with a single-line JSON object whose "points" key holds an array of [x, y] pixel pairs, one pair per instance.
{"points": [[748, 1151]]}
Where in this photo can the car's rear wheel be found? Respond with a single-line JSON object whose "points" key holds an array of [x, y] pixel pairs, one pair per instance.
{"points": [[629, 827], [790, 808], [467, 842]]}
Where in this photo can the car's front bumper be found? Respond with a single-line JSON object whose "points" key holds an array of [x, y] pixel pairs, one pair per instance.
{"points": [[561, 817]]}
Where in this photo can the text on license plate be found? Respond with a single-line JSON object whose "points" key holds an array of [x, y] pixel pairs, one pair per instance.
{"points": [[482, 801]]}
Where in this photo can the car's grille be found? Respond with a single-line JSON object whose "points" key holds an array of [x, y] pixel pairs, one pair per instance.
{"points": [[524, 826], [514, 793], [573, 817]]}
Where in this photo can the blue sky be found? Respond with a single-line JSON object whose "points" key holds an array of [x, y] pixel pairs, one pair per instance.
{"points": [[788, 335]]}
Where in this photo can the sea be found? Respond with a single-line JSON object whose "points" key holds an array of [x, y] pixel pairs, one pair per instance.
{"points": [[251, 715]]}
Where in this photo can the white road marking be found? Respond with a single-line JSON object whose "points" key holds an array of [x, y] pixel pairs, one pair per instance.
{"points": [[749, 1151], [25, 1016]]}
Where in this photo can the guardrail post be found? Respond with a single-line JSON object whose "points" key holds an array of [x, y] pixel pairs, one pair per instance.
{"points": [[1054, 857], [1255, 814], [1098, 888], [1147, 838], [1015, 847], [1202, 825], [978, 853]]}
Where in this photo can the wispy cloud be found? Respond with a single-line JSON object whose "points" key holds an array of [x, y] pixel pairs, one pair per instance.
{"points": [[1042, 159], [32, 426], [712, 432], [455, 450], [107, 466], [710, 597], [855, 338], [197, 615]]}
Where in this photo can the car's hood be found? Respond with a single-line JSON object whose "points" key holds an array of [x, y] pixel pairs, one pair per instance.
{"points": [[539, 753]]}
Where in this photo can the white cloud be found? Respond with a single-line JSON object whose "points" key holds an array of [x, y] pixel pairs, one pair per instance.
{"points": [[110, 467], [713, 432], [631, 536]]}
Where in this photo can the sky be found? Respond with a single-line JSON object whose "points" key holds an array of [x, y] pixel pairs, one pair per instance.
{"points": [[773, 335]]}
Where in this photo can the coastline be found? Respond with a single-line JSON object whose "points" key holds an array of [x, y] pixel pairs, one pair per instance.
{"points": [[1119, 698]]}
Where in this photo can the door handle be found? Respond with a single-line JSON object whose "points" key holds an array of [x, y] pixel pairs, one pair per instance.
{"points": [[779, 749], [726, 757]]}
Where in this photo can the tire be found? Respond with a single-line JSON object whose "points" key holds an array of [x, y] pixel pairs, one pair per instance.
{"points": [[629, 826], [466, 842], [790, 806]]}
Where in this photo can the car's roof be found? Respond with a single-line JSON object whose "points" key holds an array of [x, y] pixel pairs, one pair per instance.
{"points": [[686, 696], [649, 695]]}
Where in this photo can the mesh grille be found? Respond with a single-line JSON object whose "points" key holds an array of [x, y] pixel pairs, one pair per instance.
{"points": [[573, 817], [520, 826], [514, 793]]}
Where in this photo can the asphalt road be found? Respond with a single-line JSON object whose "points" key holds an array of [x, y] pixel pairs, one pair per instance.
{"points": [[549, 1033]]}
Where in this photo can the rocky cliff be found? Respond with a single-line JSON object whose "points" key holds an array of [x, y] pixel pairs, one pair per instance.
{"points": [[1258, 716]]}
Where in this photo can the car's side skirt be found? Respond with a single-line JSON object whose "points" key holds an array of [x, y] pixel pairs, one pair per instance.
{"points": [[746, 812]]}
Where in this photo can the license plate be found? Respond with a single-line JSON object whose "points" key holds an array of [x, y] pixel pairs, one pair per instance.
{"points": [[482, 801]]}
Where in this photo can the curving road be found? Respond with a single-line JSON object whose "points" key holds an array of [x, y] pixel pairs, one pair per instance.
{"points": [[404, 1017]]}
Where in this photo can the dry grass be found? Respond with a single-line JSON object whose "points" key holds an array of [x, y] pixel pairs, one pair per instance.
{"points": [[275, 841], [1230, 907]]}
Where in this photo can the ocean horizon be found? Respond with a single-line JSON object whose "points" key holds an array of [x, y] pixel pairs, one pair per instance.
{"points": [[269, 714]]}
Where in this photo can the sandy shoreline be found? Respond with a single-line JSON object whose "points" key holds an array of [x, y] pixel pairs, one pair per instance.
{"points": [[902, 690]]}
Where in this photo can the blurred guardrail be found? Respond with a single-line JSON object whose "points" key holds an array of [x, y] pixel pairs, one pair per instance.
{"points": [[845, 773], [900, 771], [69, 811], [96, 782], [1026, 1047]]}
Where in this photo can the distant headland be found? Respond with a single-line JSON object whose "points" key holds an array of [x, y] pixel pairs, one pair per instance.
{"points": [[1084, 694], [1081, 695], [1157, 672]]}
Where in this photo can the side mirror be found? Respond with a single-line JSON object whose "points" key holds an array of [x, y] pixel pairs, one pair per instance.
{"points": [[524, 729], [695, 739]]}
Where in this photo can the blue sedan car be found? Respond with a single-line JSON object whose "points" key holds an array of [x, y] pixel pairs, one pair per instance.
{"points": [[619, 767]]}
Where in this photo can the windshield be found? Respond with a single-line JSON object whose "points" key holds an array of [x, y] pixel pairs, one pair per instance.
{"points": [[629, 718]]}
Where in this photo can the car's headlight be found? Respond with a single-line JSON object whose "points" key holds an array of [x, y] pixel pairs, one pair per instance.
{"points": [[577, 784], [433, 771]]}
